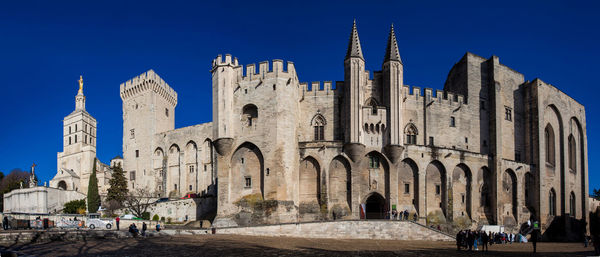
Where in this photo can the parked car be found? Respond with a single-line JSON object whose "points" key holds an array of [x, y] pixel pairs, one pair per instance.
{"points": [[99, 223], [128, 217], [160, 200], [188, 196]]}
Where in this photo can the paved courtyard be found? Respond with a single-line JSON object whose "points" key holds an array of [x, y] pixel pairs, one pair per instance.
{"points": [[229, 245]]}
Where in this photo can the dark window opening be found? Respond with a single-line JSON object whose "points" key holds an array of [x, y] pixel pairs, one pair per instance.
{"points": [[438, 189], [452, 122], [248, 182]]}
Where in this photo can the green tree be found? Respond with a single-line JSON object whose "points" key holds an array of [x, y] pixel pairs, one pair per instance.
{"points": [[74, 206], [93, 197], [155, 217], [118, 185]]}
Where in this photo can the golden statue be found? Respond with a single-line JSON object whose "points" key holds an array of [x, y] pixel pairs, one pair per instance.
{"points": [[80, 84]]}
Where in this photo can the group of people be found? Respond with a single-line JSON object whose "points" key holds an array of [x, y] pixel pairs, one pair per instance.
{"points": [[135, 231], [474, 240], [402, 215]]}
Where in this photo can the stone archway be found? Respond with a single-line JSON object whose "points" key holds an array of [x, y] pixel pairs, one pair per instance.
{"points": [[375, 207], [62, 185]]}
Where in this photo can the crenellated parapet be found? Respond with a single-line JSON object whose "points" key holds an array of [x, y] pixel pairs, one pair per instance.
{"points": [[316, 88], [252, 72], [433, 96], [148, 81]]}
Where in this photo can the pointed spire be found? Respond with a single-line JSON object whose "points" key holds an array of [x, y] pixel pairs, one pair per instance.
{"points": [[354, 49], [391, 52]]}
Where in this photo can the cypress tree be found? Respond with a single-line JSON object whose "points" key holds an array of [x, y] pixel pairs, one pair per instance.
{"points": [[93, 197], [118, 185]]}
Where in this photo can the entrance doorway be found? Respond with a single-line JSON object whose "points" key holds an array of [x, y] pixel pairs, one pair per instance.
{"points": [[375, 207]]}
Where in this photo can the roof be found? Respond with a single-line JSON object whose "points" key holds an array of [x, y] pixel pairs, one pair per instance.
{"points": [[391, 52], [354, 49]]}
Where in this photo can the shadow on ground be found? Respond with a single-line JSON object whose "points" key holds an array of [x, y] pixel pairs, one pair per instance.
{"points": [[223, 245]]}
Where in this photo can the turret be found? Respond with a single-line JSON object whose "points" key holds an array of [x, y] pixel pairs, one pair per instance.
{"points": [[224, 77], [354, 79], [393, 76]]}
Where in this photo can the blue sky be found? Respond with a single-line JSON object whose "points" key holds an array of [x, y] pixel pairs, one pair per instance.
{"points": [[44, 47]]}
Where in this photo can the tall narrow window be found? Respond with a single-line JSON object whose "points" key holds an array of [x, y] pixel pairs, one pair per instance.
{"points": [[549, 140], [75, 138], [85, 139], [132, 175], [572, 154], [190, 187], [318, 124], [75, 127], [191, 169], [572, 205], [137, 153], [247, 182], [507, 113], [167, 112], [69, 129], [438, 189], [552, 203], [373, 162], [452, 122], [69, 140], [406, 188], [431, 141]]}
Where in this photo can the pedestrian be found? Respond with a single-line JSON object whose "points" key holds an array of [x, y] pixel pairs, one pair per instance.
{"points": [[484, 241], [157, 227], [144, 227], [415, 217], [406, 214], [476, 240], [394, 214], [118, 219], [5, 223], [470, 240], [459, 240], [585, 241], [534, 239]]}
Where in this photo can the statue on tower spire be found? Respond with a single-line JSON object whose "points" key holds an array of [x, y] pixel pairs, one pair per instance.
{"points": [[80, 84]]}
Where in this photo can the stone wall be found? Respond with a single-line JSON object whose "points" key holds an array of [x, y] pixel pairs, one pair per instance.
{"points": [[185, 210], [38, 200], [389, 230]]}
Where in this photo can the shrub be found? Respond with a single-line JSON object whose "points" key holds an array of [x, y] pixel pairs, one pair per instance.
{"points": [[72, 207], [155, 217], [162, 218], [145, 215]]}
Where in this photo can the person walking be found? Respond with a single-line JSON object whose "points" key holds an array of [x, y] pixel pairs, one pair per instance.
{"points": [[5, 223], [459, 240], [144, 227], [117, 220], [484, 241], [534, 239]]}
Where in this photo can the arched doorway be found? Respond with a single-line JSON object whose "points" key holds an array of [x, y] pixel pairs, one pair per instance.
{"points": [[375, 207], [62, 185]]}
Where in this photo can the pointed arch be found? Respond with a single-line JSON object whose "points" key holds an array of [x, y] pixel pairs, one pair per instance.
{"points": [[309, 188], [461, 191], [581, 158], [340, 186], [572, 205], [408, 185], [435, 187], [509, 197], [376, 167], [484, 180], [247, 171]]}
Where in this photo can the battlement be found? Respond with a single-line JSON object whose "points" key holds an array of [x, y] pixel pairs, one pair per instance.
{"points": [[146, 81], [266, 69], [316, 88], [440, 96]]}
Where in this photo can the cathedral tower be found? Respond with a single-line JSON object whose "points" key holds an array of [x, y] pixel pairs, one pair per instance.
{"points": [[75, 162]]}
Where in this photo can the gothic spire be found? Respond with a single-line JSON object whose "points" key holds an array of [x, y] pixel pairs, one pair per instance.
{"points": [[354, 49], [391, 52]]}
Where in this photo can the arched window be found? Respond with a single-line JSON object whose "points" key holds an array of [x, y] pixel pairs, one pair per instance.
{"points": [[371, 102], [550, 153], [411, 134], [572, 204], [572, 154], [552, 203], [249, 114], [367, 128], [318, 123]]}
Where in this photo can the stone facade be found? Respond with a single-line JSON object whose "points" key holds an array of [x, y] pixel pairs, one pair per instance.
{"points": [[76, 161], [490, 148]]}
